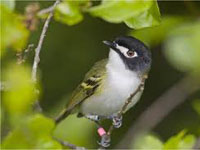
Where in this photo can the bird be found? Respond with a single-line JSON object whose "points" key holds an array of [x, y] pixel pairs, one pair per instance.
{"points": [[106, 87]]}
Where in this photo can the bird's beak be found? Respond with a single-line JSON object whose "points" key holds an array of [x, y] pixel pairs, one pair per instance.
{"points": [[110, 44]]}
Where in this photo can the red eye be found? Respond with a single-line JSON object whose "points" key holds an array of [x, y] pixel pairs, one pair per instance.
{"points": [[131, 53]]}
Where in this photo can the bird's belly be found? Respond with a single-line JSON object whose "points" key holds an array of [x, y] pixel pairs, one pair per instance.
{"points": [[112, 99]]}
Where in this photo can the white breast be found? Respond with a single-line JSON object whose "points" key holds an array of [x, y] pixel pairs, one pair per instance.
{"points": [[118, 85]]}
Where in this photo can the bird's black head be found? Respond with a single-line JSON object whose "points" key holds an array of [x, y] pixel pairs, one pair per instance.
{"points": [[133, 52]]}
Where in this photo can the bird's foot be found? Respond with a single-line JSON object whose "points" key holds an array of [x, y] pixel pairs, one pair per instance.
{"points": [[105, 141], [117, 121], [105, 138], [93, 117]]}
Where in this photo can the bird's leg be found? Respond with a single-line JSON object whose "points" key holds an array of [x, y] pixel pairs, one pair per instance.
{"points": [[105, 138], [116, 120], [94, 118]]}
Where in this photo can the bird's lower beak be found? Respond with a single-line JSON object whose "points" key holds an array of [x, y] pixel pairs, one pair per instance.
{"points": [[110, 44]]}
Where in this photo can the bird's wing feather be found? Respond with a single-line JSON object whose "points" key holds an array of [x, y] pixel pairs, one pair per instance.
{"points": [[85, 89], [89, 84]]}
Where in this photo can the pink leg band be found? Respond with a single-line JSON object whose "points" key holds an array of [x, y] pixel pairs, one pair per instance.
{"points": [[101, 131]]}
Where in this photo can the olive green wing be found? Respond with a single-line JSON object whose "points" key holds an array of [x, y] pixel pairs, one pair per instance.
{"points": [[90, 83]]}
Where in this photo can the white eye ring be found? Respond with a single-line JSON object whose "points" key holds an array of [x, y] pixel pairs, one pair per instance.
{"points": [[131, 54], [125, 51]]}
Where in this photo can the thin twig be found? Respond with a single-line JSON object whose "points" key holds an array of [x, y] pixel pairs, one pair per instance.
{"points": [[45, 11], [128, 101], [38, 48], [173, 97], [37, 60], [69, 145]]}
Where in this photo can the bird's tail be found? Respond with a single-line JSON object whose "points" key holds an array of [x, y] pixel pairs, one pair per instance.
{"points": [[64, 114]]}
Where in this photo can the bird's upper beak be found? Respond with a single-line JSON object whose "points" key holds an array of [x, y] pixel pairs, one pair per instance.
{"points": [[110, 44]]}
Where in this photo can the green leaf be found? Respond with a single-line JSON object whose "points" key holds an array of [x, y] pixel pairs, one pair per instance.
{"points": [[68, 13], [125, 10], [182, 47], [34, 133], [187, 142], [155, 35], [196, 105], [136, 14], [78, 131], [148, 142], [8, 3], [180, 141], [149, 18], [14, 32], [20, 96], [173, 142]]}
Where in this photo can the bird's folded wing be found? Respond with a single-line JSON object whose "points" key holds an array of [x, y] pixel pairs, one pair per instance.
{"points": [[90, 83]]}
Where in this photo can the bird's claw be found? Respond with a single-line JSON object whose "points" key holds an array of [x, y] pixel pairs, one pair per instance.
{"points": [[117, 121], [105, 140]]}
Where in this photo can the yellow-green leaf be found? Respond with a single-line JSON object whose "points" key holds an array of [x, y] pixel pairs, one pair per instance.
{"points": [[136, 14], [196, 105], [68, 13], [148, 18], [155, 35], [33, 133], [78, 131], [20, 95], [8, 3], [14, 33], [180, 141], [182, 47], [148, 142]]}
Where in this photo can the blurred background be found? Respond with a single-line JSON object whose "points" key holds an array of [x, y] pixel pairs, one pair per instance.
{"points": [[68, 52]]}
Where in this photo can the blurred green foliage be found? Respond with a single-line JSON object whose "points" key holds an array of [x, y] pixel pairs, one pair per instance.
{"points": [[155, 35], [69, 52], [35, 132], [68, 12], [73, 126], [13, 30], [21, 95], [178, 142], [10, 4], [181, 41], [196, 105], [136, 14], [148, 142], [182, 47]]}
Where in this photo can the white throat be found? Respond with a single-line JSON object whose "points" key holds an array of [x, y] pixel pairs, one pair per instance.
{"points": [[120, 75], [115, 63]]}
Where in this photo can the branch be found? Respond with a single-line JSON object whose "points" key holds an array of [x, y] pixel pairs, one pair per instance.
{"points": [[45, 11], [69, 145], [128, 101], [38, 48], [173, 97]]}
